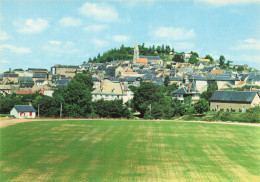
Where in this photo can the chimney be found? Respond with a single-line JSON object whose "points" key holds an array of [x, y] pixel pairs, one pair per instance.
{"points": [[30, 103], [124, 89], [189, 89], [101, 84]]}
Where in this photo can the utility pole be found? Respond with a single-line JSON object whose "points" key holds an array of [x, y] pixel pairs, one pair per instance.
{"points": [[38, 110], [60, 109]]}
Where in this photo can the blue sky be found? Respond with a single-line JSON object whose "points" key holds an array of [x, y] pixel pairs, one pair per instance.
{"points": [[43, 33]]}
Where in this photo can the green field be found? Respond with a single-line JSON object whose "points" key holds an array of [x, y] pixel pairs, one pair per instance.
{"points": [[129, 151]]}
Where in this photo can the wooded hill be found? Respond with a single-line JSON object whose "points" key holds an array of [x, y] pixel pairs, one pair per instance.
{"points": [[126, 53]]}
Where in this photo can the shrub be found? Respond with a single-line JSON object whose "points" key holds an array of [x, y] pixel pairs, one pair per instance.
{"points": [[225, 116]]}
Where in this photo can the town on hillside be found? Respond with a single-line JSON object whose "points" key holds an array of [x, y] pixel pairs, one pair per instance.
{"points": [[237, 85]]}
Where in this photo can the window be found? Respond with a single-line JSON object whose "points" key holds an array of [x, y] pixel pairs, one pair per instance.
{"points": [[230, 108], [217, 108], [243, 109]]}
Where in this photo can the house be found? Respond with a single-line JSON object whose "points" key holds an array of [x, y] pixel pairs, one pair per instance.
{"points": [[111, 91], [62, 83], [30, 86], [39, 76], [67, 70], [23, 111], [234, 100], [10, 77], [185, 92], [5, 89]]}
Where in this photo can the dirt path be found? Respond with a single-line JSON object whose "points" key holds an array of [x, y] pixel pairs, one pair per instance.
{"points": [[6, 122]]}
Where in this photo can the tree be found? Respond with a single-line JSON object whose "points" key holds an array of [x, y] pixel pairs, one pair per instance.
{"points": [[210, 91], [166, 81], [228, 63], [210, 58], [188, 100], [111, 109], [193, 59], [221, 61], [240, 68], [178, 58], [146, 94], [168, 66], [18, 69], [201, 106], [194, 54], [76, 97], [84, 79]]}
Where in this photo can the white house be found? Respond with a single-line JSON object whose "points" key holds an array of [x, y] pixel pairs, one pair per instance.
{"points": [[111, 91], [23, 111]]}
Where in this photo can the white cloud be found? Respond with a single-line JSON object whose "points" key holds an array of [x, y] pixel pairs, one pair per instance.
{"points": [[248, 44], [252, 60], [4, 36], [54, 42], [100, 43], [227, 2], [99, 11], [14, 49], [70, 22], [3, 61], [31, 25], [57, 48], [121, 38], [171, 33], [184, 46], [96, 28]]}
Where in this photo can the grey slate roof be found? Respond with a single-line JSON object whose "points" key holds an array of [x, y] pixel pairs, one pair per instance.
{"points": [[65, 66], [233, 96], [151, 57], [62, 82], [27, 85], [10, 75], [24, 78], [39, 75], [24, 108], [42, 69]]}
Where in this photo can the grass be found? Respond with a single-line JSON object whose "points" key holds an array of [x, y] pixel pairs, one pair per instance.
{"points": [[129, 151]]}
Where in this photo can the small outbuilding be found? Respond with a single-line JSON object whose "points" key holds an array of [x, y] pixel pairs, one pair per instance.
{"points": [[23, 111]]}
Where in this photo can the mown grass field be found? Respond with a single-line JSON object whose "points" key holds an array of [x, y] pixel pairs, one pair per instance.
{"points": [[129, 151]]}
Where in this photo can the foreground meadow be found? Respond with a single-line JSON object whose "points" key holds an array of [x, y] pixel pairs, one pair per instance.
{"points": [[108, 150]]}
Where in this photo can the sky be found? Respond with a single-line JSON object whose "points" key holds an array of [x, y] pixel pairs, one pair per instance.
{"points": [[42, 33]]}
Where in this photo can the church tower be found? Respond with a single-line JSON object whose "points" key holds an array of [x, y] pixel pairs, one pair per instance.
{"points": [[136, 53]]}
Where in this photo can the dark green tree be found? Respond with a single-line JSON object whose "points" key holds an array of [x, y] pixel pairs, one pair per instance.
{"points": [[221, 61], [210, 58], [210, 91], [193, 59], [178, 58], [201, 106], [168, 66], [166, 81], [145, 95], [194, 54], [240, 68]]}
